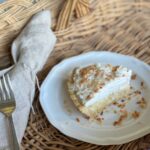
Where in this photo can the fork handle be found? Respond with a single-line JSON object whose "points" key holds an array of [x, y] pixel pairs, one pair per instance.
{"points": [[14, 140]]}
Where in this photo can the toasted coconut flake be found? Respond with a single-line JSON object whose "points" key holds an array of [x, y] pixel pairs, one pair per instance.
{"points": [[135, 114], [133, 77]]}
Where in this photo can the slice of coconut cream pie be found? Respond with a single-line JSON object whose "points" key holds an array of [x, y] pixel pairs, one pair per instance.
{"points": [[93, 87]]}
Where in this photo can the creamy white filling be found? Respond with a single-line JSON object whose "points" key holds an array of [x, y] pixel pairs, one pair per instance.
{"points": [[110, 88]]}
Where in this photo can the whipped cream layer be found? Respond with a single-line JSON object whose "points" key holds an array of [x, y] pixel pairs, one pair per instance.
{"points": [[96, 82]]}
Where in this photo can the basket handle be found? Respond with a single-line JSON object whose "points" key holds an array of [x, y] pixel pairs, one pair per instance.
{"points": [[79, 7]]}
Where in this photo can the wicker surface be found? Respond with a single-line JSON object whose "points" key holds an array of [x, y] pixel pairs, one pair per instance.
{"points": [[114, 25]]}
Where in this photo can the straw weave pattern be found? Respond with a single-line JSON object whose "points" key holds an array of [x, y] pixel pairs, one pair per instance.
{"points": [[122, 26]]}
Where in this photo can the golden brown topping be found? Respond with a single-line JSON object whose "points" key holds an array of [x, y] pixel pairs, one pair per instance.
{"points": [[123, 116], [114, 69], [137, 92], [89, 97], [115, 103], [142, 103], [96, 90], [83, 81], [142, 83], [77, 119], [133, 77], [99, 119], [109, 77], [135, 114], [99, 86], [86, 117], [85, 71], [116, 123], [121, 105], [99, 73]]}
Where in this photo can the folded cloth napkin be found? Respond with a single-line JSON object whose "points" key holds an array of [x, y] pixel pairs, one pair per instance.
{"points": [[29, 51]]}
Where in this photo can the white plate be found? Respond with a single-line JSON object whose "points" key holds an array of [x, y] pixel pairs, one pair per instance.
{"points": [[62, 114]]}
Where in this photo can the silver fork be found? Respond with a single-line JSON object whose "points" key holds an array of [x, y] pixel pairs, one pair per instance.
{"points": [[7, 106]]}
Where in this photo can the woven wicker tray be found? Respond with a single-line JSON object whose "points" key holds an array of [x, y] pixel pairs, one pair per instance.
{"points": [[80, 25]]}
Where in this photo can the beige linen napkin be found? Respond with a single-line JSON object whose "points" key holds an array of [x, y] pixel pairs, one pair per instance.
{"points": [[30, 51]]}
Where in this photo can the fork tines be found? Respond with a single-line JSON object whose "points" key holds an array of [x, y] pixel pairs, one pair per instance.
{"points": [[6, 88]]}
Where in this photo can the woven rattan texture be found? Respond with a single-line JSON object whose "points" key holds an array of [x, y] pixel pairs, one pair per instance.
{"points": [[114, 25]]}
